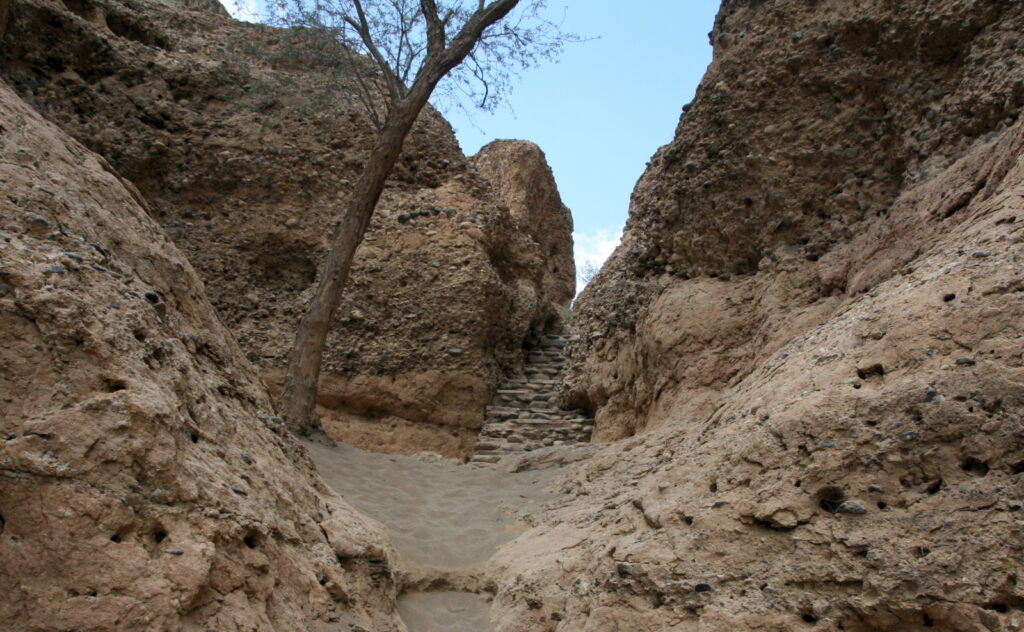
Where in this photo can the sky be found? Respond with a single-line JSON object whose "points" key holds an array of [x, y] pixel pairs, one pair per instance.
{"points": [[605, 108], [602, 111]]}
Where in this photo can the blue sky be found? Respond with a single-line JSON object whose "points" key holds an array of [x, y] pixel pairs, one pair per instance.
{"points": [[604, 109]]}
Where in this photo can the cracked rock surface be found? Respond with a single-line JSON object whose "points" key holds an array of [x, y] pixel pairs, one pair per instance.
{"points": [[808, 348], [247, 156], [144, 482]]}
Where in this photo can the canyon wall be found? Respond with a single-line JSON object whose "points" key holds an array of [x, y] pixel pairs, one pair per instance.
{"points": [[145, 483], [246, 150], [809, 343]]}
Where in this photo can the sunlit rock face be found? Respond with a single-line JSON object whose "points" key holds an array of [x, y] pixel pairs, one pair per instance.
{"points": [[146, 484], [247, 156], [809, 342]]}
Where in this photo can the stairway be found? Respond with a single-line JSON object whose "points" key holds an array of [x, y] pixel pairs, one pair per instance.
{"points": [[524, 414]]}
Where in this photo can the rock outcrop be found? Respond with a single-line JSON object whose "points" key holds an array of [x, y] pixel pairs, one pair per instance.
{"points": [[144, 482], [246, 151], [778, 170], [809, 343], [520, 172]]}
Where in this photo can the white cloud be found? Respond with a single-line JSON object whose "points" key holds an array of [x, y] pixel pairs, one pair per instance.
{"points": [[245, 10], [591, 249]]}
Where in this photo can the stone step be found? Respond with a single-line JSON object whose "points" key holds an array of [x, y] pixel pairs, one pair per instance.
{"points": [[497, 409], [539, 413], [559, 344], [524, 396], [564, 423], [524, 382], [531, 412], [529, 421], [524, 414]]}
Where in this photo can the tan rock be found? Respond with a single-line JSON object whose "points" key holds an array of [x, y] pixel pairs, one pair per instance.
{"points": [[146, 484], [520, 173], [247, 167], [829, 376]]}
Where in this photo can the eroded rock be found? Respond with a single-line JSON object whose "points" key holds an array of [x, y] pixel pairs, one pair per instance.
{"points": [[247, 161], [145, 482], [797, 275]]}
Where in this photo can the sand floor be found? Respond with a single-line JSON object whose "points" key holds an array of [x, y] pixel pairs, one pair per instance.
{"points": [[444, 611], [442, 515]]}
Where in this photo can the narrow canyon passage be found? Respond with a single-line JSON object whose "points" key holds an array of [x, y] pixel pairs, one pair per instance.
{"points": [[446, 520]]}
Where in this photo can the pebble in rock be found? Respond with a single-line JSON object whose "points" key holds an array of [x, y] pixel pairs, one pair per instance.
{"points": [[852, 507]]}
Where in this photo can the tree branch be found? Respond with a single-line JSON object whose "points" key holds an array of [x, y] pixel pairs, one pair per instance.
{"points": [[365, 94], [463, 43], [395, 86], [435, 27]]}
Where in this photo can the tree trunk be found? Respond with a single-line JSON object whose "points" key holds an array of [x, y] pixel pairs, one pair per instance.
{"points": [[297, 402]]}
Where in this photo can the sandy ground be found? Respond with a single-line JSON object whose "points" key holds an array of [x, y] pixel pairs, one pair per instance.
{"points": [[440, 515], [444, 611]]}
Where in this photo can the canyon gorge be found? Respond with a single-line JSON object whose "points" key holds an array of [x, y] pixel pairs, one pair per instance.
{"points": [[791, 400]]}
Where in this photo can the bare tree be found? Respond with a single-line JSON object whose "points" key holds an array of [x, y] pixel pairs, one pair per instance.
{"points": [[411, 45]]}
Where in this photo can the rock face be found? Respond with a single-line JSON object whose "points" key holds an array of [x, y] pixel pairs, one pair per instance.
{"points": [[520, 172], [809, 343], [752, 222], [247, 157], [145, 483]]}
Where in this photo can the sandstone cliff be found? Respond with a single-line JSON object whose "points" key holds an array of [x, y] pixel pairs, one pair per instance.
{"points": [[247, 158], [520, 173], [813, 329], [144, 482]]}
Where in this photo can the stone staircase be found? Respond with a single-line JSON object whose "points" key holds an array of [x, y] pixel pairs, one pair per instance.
{"points": [[524, 414]]}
